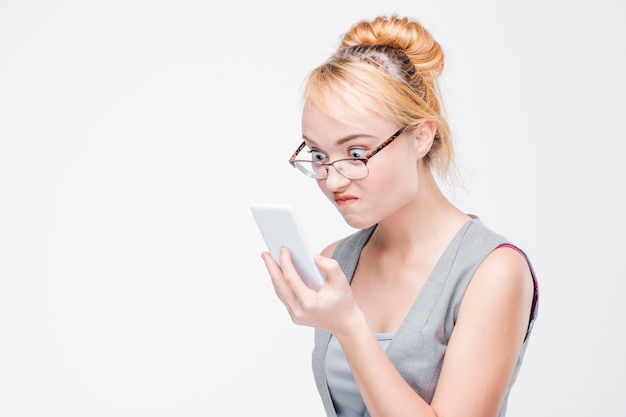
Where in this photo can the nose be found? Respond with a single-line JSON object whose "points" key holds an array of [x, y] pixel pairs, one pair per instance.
{"points": [[335, 181]]}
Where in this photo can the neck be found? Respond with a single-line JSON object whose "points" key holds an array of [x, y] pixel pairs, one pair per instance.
{"points": [[425, 220]]}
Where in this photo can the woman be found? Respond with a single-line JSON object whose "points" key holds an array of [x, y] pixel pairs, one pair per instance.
{"points": [[425, 312]]}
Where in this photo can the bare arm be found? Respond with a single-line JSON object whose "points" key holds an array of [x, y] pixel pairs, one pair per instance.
{"points": [[485, 344]]}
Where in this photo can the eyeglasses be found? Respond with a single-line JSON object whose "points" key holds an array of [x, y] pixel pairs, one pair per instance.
{"points": [[351, 168]]}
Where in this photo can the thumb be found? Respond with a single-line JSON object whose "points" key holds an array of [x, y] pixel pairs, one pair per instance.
{"points": [[330, 267]]}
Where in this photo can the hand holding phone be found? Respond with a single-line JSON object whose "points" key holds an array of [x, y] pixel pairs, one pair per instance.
{"points": [[280, 227]]}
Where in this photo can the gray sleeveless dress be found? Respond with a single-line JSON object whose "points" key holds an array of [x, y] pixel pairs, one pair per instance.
{"points": [[419, 345]]}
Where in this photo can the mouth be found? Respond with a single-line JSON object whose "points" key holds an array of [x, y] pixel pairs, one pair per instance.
{"points": [[345, 200]]}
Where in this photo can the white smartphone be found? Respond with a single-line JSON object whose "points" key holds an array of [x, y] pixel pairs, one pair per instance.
{"points": [[280, 227]]}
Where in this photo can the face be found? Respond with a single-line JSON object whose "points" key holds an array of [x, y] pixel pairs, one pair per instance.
{"points": [[393, 172]]}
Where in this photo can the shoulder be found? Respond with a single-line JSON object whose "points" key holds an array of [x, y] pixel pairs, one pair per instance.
{"points": [[330, 249], [506, 272], [505, 261], [502, 286], [500, 264], [350, 244]]}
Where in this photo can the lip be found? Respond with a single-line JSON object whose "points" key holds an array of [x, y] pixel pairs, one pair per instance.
{"points": [[345, 200]]}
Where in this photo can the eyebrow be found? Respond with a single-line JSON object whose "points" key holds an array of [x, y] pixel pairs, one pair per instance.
{"points": [[344, 139]]}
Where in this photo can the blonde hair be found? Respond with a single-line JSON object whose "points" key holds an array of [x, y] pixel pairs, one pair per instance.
{"points": [[389, 65]]}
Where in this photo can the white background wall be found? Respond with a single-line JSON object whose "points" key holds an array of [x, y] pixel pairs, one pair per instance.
{"points": [[134, 135]]}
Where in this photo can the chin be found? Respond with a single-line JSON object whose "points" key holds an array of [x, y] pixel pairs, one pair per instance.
{"points": [[357, 222]]}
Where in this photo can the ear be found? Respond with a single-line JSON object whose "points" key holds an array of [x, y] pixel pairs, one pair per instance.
{"points": [[424, 136]]}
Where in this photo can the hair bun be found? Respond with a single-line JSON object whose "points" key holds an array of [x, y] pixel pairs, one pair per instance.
{"points": [[402, 33]]}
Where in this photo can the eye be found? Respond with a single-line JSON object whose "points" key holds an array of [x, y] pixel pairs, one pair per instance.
{"points": [[357, 153], [317, 156]]}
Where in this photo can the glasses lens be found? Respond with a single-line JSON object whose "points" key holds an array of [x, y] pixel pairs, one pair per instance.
{"points": [[311, 169], [355, 169]]}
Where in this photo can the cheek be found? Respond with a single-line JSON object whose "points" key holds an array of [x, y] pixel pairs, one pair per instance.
{"points": [[396, 185], [401, 174], [385, 192]]}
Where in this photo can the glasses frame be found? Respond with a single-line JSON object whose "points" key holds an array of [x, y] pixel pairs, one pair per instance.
{"points": [[364, 159]]}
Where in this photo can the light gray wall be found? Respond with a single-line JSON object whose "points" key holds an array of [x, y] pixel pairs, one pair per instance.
{"points": [[134, 135]]}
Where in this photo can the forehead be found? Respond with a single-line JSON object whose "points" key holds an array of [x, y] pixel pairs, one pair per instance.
{"points": [[331, 115], [342, 103]]}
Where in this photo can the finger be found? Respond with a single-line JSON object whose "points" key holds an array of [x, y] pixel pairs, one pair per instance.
{"points": [[270, 264], [275, 272], [291, 276], [303, 307], [330, 267], [279, 281]]}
